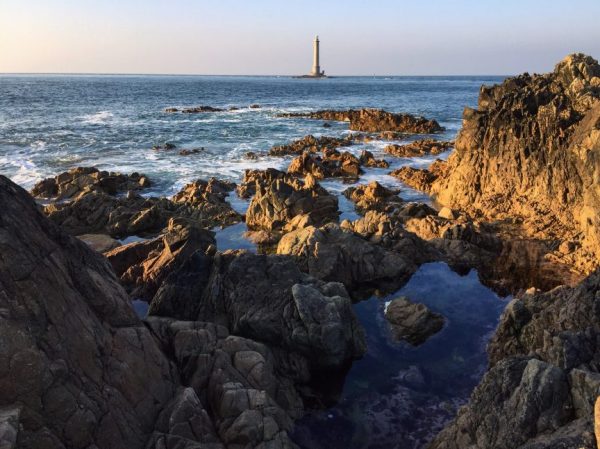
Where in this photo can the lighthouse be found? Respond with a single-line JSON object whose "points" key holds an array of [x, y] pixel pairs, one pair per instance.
{"points": [[316, 68]]}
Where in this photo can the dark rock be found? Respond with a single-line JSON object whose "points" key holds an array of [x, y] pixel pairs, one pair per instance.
{"points": [[368, 160], [168, 146], [412, 322], [309, 144]]}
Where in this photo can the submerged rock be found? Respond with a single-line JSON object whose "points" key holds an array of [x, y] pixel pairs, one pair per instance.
{"points": [[412, 322], [82, 180], [376, 120]]}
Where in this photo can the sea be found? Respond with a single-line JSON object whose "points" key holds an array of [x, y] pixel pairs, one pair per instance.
{"points": [[397, 396]]}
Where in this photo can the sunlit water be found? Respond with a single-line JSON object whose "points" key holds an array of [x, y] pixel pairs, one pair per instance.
{"points": [[396, 396]]}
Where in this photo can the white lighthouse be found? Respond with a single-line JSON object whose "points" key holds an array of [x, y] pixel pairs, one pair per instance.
{"points": [[316, 68]]}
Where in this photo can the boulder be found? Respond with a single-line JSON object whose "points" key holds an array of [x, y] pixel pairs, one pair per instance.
{"points": [[99, 242], [367, 159], [276, 204], [412, 322], [373, 196], [80, 181], [262, 178]]}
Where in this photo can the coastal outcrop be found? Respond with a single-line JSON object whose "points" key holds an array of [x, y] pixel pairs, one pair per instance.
{"points": [[373, 196], [530, 152], [421, 179], [375, 120], [120, 216], [332, 164], [417, 148], [367, 159], [77, 182]]}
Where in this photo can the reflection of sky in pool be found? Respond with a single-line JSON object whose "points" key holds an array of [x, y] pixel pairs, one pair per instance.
{"points": [[398, 396]]}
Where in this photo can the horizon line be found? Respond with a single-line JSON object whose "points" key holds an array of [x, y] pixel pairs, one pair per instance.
{"points": [[236, 75]]}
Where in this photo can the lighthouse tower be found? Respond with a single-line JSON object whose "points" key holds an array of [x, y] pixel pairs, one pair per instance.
{"points": [[316, 68]]}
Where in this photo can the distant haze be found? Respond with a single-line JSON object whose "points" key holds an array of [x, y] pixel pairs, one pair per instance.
{"points": [[268, 37]]}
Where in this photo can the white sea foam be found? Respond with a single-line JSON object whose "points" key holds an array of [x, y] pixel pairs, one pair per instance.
{"points": [[97, 118]]}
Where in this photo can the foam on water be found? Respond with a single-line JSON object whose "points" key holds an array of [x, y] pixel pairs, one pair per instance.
{"points": [[97, 118]]}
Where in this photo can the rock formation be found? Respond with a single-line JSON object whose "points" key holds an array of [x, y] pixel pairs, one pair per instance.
{"points": [[373, 196], [311, 144], [333, 164], [530, 151], [368, 160], [79, 181], [375, 120]]}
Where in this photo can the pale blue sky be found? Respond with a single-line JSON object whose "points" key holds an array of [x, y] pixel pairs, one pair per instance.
{"points": [[358, 37]]}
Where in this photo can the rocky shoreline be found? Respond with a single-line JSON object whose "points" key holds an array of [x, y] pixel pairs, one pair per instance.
{"points": [[233, 343]]}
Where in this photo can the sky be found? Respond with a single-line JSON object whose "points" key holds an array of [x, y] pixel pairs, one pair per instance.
{"points": [[274, 37]]}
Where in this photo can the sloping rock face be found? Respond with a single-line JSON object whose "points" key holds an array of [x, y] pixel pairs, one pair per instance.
{"points": [[376, 120], [544, 364], [531, 150], [81, 180], [78, 369]]}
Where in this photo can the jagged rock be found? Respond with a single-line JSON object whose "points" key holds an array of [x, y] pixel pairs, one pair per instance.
{"points": [[82, 180], [375, 120], [367, 159], [310, 144], [276, 204], [78, 367], [423, 147], [421, 179], [373, 196], [262, 178], [333, 164], [412, 322], [96, 212], [167, 146], [268, 299], [143, 266], [530, 151], [334, 254]]}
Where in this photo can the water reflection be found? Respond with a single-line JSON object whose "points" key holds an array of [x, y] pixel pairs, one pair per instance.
{"points": [[399, 396]]}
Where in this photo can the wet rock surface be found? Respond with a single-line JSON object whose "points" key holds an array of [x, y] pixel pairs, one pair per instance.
{"points": [[375, 120]]}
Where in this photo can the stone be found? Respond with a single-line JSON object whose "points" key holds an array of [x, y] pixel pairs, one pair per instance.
{"points": [[199, 109], [420, 179], [447, 213], [333, 164], [80, 181], [167, 146], [412, 322], [261, 178], [367, 159]]}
